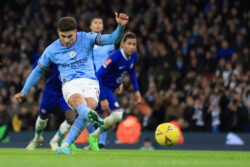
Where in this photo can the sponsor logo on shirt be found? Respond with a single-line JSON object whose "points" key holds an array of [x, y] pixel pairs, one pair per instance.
{"points": [[107, 62], [76, 64], [121, 67]]}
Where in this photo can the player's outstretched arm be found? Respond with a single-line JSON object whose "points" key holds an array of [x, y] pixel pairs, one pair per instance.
{"points": [[138, 98], [132, 75], [32, 80], [116, 36]]}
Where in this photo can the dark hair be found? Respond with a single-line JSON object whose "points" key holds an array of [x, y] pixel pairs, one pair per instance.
{"points": [[128, 35], [95, 18], [67, 24]]}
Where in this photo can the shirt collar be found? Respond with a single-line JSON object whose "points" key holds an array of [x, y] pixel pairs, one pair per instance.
{"points": [[123, 54]]}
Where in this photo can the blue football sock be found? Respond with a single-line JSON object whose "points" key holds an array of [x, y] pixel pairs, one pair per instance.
{"points": [[103, 137], [91, 127], [75, 130], [82, 111]]}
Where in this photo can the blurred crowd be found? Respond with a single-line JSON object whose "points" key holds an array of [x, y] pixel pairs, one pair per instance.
{"points": [[193, 66]]}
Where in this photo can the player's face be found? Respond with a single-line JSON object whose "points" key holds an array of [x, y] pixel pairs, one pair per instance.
{"points": [[96, 25], [67, 38], [129, 46]]}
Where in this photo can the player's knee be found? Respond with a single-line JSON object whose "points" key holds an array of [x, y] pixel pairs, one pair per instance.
{"points": [[70, 120], [105, 114], [44, 116], [75, 100], [70, 116], [92, 106], [105, 108], [117, 115], [91, 102]]}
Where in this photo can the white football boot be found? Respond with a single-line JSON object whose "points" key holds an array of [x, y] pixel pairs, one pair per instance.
{"points": [[54, 145], [34, 143]]}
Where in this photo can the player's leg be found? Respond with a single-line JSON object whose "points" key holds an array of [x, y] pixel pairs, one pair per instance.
{"points": [[93, 142], [64, 128], [103, 135], [76, 129], [114, 117], [81, 95], [41, 121]]}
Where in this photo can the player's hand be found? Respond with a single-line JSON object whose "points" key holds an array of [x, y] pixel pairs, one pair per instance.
{"points": [[19, 97], [105, 105], [138, 98], [120, 89], [121, 18]]}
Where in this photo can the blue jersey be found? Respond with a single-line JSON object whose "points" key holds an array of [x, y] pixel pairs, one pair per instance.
{"points": [[53, 84], [100, 54], [73, 62], [114, 69]]}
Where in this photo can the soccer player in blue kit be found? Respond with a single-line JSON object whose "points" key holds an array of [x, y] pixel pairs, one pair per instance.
{"points": [[52, 98], [72, 53], [110, 76]]}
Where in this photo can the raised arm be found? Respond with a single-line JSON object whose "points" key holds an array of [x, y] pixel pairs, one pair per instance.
{"points": [[116, 36]]}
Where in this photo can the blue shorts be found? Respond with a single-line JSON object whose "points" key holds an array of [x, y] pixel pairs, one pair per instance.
{"points": [[50, 102], [113, 104]]}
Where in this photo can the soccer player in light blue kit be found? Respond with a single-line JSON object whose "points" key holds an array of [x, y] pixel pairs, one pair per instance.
{"points": [[100, 54], [72, 53], [110, 76]]}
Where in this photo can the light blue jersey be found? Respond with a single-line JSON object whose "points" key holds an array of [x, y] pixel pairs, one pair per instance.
{"points": [[73, 62], [101, 54]]}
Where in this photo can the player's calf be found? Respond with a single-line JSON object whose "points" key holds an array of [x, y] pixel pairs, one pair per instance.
{"points": [[112, 119]]}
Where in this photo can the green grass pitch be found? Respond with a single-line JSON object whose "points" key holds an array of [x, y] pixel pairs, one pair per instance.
{"points": [[13, 157]]}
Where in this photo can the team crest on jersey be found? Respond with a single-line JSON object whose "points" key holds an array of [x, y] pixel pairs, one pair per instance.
{"points": [[72, 53], [131, 66], [107, 62]]}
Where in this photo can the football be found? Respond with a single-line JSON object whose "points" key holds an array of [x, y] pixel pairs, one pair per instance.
{"points": [[166, 134]]}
